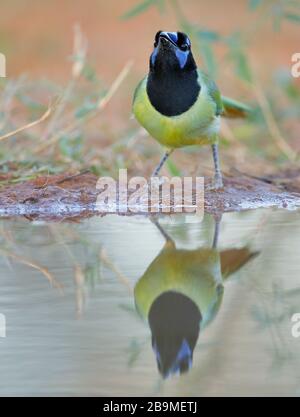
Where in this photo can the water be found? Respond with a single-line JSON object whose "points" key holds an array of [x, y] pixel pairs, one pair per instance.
{"points": [[72, 327]]}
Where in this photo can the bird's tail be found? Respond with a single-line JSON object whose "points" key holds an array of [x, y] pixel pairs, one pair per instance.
{"points": [[233, 108], [234, 259]]}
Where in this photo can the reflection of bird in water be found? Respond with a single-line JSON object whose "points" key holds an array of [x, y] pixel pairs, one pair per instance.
{"points": [[180, 293]]}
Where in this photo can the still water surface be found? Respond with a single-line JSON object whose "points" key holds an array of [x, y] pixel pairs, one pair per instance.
{"points": [[113, 306]]}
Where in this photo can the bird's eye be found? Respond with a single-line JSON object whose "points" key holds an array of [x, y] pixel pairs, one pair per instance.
{"points": [[184, 47]]}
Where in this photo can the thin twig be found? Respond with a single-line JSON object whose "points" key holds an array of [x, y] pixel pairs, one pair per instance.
{"points": [[32, 264], [79, 57], [71, 177], [29, 125], [7, 97], [255, 177], [109, 264], [79, 280], [100, 106], [279, 140]]}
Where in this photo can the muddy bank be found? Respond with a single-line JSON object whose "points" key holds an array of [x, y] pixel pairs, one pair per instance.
{"points": [[73, 197]]}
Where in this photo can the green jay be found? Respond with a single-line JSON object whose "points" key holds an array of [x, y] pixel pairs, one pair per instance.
{"points": [[178, 104]]}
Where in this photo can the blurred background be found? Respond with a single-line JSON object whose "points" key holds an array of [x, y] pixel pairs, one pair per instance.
{"points": [[72, 68], [90, 55]]}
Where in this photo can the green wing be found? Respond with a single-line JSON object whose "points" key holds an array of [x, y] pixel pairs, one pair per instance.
{"points": [[224, 106], [233, 108], [212, 90]]}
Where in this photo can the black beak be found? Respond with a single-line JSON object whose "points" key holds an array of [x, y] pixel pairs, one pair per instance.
{"points": [[167, 38]]}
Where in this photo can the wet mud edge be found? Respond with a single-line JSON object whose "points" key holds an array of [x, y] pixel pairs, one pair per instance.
{"points": [[74, 197]]}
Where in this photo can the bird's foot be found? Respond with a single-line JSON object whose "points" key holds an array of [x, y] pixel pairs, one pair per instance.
{"points": [[216, 185], [159, 180]]}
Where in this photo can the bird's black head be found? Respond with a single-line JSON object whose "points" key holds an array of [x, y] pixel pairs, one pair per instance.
{"points": [[172, 52], [172, 83], [175, 323]]}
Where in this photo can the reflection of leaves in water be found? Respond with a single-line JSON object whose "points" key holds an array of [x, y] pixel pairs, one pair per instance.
{"points": [[10, 249], [275, 312], [135, 348], [34, 265], [92, 272], [84, 256], [264, 319], [158, 387], [280, 359], [295, 292], [131, 310], [108, 263]]}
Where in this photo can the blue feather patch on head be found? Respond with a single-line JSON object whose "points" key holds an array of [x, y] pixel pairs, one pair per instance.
{"points": [[154, 55], [182, 57]]}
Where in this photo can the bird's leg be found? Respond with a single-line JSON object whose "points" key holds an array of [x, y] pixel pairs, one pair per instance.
{"points": [[162, 161], [161, 230], [218, 181], [218, 219]]}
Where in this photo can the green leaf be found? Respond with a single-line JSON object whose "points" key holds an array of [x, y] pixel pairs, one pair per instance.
{"points": [[71, 147], [172, 168], [138, 9], [295, 18], [29, 102], [208, 35], [86, 108], [161, 6], [242, 67], [208, 57], [253, 4], [89, 73], [240, 60], [129, 309]]}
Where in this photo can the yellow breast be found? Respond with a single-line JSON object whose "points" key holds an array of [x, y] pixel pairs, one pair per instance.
{"points": [[196, 126]]}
